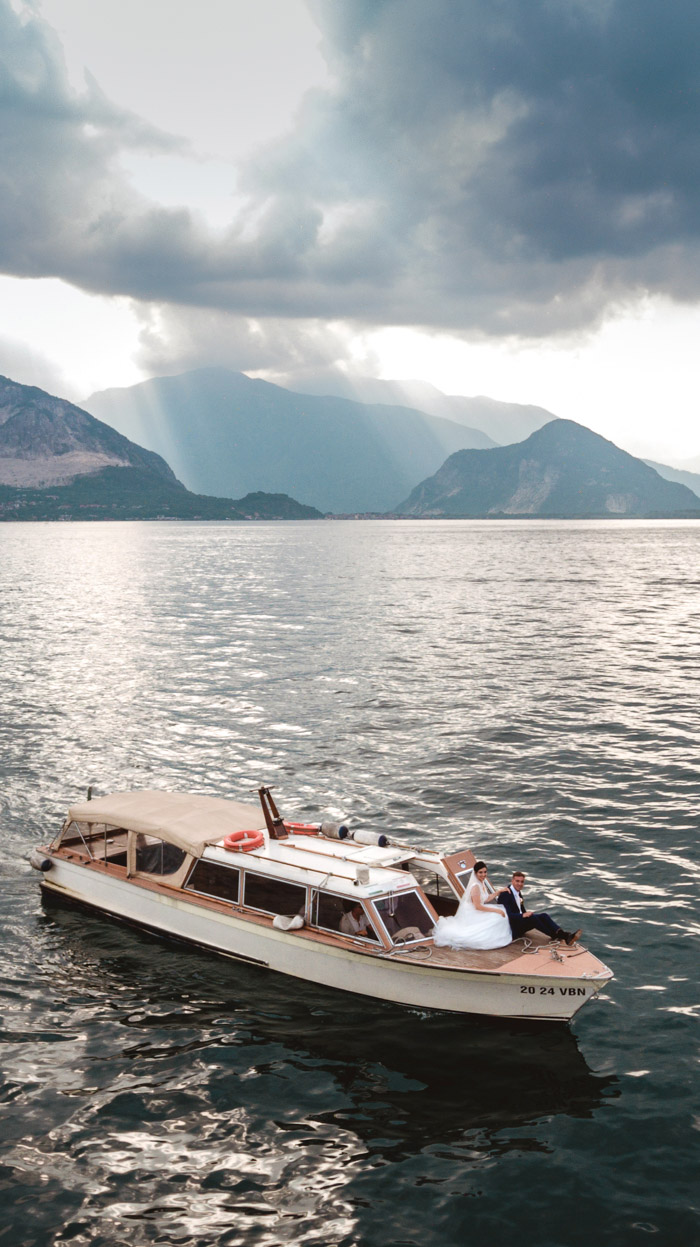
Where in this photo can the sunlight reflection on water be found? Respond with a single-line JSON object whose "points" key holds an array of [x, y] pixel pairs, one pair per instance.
{"points": [[530, 688]]}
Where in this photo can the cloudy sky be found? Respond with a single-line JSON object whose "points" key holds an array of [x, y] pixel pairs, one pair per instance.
{"points": [[501, 197]]}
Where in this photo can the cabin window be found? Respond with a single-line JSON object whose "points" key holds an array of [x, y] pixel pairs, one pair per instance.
{"points": [[405, 916], [439, 892], [211, 879], [156, 857], [430, 880], [334, 913], [273, 896], [464, 876]]}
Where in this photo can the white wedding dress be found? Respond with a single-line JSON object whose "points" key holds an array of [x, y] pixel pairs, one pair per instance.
{"points": [[472, 928]]}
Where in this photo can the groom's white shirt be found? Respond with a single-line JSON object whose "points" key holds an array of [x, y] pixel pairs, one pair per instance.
{"points": [[518, 898]]}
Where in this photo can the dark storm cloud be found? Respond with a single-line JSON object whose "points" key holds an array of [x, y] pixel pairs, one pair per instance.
{"points": [[517, 153], [513, 166], [65, 209]]}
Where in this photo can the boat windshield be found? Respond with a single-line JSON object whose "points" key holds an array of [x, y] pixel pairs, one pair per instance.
{"points": [[464, 876], [438, 890], [405, 917]]}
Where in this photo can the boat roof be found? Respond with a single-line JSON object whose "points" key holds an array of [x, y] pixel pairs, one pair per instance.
{"points": [[320, 862], [197, 823], [182, 818]]}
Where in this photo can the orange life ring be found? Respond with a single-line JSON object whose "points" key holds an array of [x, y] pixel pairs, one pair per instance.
{"points": [[244, 841], [302, 829]]}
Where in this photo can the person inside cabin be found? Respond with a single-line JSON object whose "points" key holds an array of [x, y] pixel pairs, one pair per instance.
{"points": [[354, 922]]}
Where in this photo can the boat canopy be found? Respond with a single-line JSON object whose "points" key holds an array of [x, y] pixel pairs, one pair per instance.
{"points": [[180, 818]]}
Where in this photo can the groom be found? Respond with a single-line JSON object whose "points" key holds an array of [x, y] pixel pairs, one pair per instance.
{"points": [[522, 919]]}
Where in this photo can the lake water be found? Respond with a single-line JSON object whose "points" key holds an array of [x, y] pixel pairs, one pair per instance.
{"points": [[528, 688]]}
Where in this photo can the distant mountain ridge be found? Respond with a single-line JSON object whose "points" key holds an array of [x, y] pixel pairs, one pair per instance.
{"points": [[680, 475], [225, 433], [562, 470], [503, 422], [59, 462]]}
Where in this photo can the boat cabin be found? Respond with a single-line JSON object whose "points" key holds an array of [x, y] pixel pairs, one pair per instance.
{"points": [[379, 897]]}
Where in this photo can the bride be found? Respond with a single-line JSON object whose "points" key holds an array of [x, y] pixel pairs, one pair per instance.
{"points": [[478, 923]]}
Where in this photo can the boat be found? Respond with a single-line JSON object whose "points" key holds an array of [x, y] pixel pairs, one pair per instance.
{"points": [[349, 910]]}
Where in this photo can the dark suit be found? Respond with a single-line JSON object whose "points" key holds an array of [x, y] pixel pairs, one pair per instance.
{"points": [[519, 925]]}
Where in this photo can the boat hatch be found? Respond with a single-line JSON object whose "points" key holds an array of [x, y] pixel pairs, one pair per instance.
{"points": [[405, 917], [373, 856]]}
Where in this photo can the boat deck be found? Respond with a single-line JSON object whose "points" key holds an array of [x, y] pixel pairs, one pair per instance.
{"points": [[487, 958], [533, 954]]}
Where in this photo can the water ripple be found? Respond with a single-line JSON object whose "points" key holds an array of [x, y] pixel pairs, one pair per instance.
{"points": [[526, 688]]}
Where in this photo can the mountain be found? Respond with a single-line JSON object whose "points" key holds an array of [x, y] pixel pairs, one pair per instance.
{"points": [[683, 477], [59, 462], [226, 434], [562, 469], [48, 441], [503, 422]]}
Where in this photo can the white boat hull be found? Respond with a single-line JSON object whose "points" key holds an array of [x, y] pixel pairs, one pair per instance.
{"points": [[496, 993]]}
